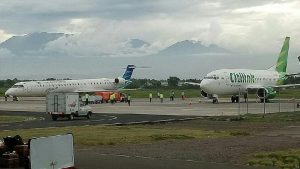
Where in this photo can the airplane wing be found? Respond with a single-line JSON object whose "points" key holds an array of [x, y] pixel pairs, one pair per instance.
{"points": [[192, 83], [255, 87], [287, 86], [90, 90]]}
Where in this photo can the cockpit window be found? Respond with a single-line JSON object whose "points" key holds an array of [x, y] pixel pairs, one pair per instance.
{"points": [[17, 86], [212, 77]]}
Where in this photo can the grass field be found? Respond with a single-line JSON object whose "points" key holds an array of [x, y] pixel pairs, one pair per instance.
{"points": [[2, 91], [270, 117], [112, 135], [289, 159]]}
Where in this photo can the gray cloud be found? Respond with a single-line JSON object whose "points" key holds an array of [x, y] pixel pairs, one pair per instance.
{"points": [[102, 27]]}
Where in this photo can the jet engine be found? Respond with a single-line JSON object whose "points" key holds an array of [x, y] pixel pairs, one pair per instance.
{"points": [[119, 80], [270, 93]]}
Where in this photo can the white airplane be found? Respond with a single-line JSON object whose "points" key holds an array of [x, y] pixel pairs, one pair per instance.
{"points": [[41, 88], [242, 81]]}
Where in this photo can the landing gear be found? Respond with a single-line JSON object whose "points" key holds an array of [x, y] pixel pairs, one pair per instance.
{"points": [[235, 99], [5, 98], [15, 98], [215, 100], [262, 100]]}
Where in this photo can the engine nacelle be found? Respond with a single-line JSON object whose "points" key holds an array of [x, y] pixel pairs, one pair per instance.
{"points": [[270, 93], [119, 80]]}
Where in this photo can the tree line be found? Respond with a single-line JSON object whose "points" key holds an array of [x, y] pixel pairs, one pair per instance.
{"points": [[170, 83]]}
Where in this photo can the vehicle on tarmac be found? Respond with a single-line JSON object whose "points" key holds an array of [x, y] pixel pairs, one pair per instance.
{"points": [[106, 96], [66, 105]]}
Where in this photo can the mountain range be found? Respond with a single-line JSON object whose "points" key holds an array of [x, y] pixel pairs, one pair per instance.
{"points": [[34, 43], [31, 58]]}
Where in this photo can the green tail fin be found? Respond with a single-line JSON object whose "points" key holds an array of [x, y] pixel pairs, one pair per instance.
{"points": [[282, 59]]}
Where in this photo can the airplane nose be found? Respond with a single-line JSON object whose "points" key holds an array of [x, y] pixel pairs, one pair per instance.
{"points": [[8, 92], [205, 85]]}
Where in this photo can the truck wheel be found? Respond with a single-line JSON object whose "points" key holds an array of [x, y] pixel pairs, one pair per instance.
{"points": [[54, 117], [71, 117], [88, 116]]}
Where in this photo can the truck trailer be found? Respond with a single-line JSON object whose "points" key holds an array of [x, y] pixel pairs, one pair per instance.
{"points": [[66, 105]]}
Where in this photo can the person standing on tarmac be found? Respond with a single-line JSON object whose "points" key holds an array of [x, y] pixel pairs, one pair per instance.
{"points": [[172, 95], [128, 99], [150, 97], [112, 98], [182, 95], [161, 96]]}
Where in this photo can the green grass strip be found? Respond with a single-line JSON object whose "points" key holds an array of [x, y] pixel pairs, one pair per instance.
{"points": [[289, 159], [112, 135]]}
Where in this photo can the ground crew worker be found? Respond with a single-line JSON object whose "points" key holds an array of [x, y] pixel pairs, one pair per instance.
{"points": [[161, 96], [128, 99], [172, 96], [182, 95], [112, 98], [86, 99], [150, 97]]}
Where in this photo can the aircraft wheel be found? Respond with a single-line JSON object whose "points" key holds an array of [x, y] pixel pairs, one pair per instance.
{"points": [[237, 99], [232, 99], [54, 117], [215, 100], [88, 116]]}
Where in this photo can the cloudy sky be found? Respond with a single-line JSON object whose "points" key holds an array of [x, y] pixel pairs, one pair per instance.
{"points": [[102, 26]]}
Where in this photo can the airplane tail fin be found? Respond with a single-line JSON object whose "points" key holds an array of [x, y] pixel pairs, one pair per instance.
{"points": [[128, 72], [283, 55]]}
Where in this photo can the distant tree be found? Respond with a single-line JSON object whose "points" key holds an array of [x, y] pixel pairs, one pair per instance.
{"points": [[173, 81], [50, 79]]}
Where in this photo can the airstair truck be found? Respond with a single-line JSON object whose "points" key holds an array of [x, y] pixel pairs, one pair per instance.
{"points": [[66, 105]]}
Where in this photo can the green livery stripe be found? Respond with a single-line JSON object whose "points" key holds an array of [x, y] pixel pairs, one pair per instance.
{"points": [[282, 59]]}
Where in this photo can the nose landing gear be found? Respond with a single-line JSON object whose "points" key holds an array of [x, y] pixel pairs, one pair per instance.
{"points": [[15, 98]]}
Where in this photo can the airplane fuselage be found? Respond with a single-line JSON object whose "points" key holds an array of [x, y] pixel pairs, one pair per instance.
{"points": [[231, 81], [41, 88]]}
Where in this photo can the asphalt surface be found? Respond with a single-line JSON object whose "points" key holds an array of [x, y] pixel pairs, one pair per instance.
{"points": [[43, 120], [187, 107], [115, 161], [141, 111]]}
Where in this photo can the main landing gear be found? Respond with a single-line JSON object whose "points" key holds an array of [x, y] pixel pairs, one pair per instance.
{"points": [[262, 100], [215, 100], [235, 99], [15, 98]]}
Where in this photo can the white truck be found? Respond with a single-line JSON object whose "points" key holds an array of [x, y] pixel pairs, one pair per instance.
{"points": [[66, 105]]}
